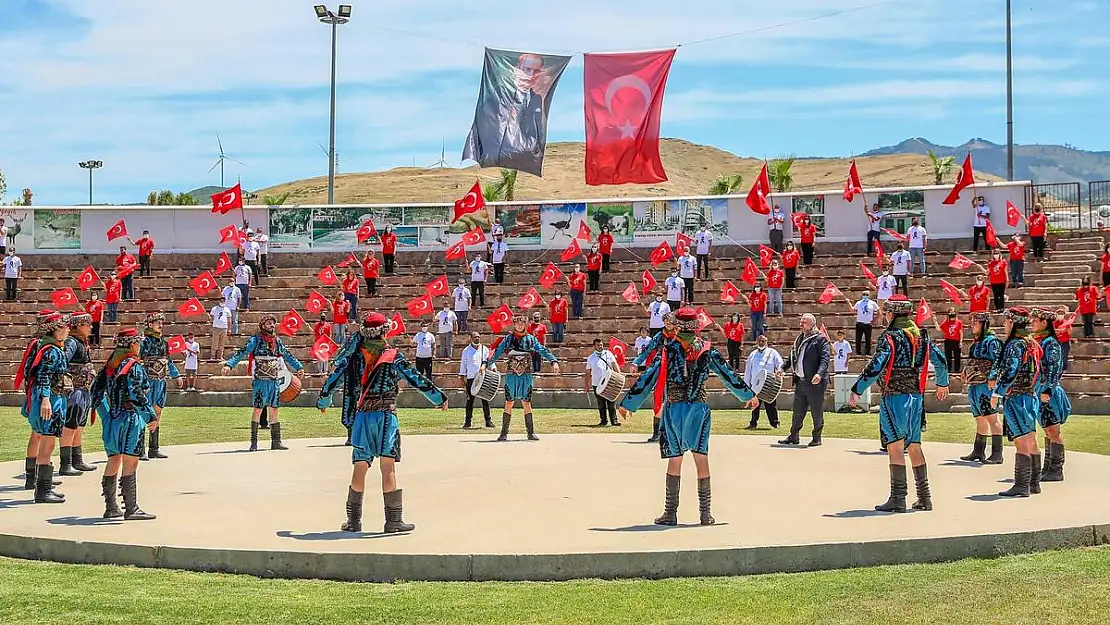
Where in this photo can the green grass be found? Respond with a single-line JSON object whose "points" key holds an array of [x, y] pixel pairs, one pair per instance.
{"points": [[209, 425], [1058, 588]]}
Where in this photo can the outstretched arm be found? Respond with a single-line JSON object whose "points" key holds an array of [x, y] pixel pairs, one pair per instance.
{"points": [[426, 387], [502, 347], [728, 376], [643, 388], [875, 367], [539, 348], [339, 366], [290, 360], [237, 357], [648, 350]]}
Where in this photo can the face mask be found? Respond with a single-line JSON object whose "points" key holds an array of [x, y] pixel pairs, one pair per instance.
{"points": [[757, 289], [866, 297]]}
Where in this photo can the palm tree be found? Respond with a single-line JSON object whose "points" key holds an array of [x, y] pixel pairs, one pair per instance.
{"points": [[778, 172], [152, 199], [726, 185], [276, 200], [505, 188], [942, 166]]}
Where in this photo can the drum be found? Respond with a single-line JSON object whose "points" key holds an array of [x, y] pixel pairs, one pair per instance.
{"points": [[612, 385], [769, 390], [486, 385], [289, 386], [760, 380]]}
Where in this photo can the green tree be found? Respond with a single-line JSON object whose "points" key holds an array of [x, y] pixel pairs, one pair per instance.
{"points": [[3, 186], [165, 198], [276, 200], [726, 185], [942, 166], [152, 198], [185, 199], [505, 187], [778, 172]]}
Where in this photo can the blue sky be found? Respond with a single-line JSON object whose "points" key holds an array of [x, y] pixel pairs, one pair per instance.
{"points": [[145, 86]]}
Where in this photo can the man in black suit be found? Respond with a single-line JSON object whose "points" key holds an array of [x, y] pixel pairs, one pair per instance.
{"points": [[808, 363]]}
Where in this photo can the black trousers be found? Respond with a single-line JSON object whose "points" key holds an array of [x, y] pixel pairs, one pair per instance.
{"points": [[791, 277], [1038, 246], [689, 284], [593, 278], [605, 262], [424, 366], [605, 407], [775, 238], [703, 263], [902, 282], [10, 288], [978, 232], [499, 273], [144, 265], [1106, 278], [734, 354], [265, 267], [863, 339], [128, 284], [952, 355], [807, 253], [256, 271], [478, 292], [674, 305], [95, 338], [1088, 325], [470, 404], [387, 262], [999, 292], [772, 413], [872, 237], [811, 399], [371, 286]]}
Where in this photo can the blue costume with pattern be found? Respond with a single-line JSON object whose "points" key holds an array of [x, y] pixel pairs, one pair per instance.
{"points": [[155, 354], [264, 351], [350, 362], [980, 361], [520, 347], [121, 394], [1017, 371], [686, 418], [900, 366], [1058, 407], [46, 379]]}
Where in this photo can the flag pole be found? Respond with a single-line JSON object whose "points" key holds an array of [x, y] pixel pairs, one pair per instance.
{"points": [[242, 211]]}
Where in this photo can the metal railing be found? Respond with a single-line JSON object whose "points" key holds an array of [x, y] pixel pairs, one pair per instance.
{"points": [[1062, 202]]}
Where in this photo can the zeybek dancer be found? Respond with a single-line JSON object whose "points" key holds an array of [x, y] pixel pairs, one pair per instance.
{"points": [[44, 407], [374, 430], [520, 346], [34, 439], [982, 355], [79, 403], [1014, 377], [155, 353], [676, 378], [1055, 405], [901, 367], [265, 351]]}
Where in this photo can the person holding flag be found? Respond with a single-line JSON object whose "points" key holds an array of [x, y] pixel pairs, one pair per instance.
{"points": [[605, 247], [981, 356], [1038, 227], [1014, 378], [598, 362], [687, 270], [874, 227], [996, 272], [158, 366], [982, 214], [1016, 249], [790, 258], [389, 248], [776, 221], [775, 280], [807, 233], [519, 345], [1087, 297], [704, 239], [1055, 405]]}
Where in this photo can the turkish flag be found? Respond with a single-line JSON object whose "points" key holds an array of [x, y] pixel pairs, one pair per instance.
{"points": [[961, 262], [964, 179], [584, 232], [225, 201], [619, 349], [126, 269], [531, 299], [766, 255], [291, 323], [229, 234], [898, 236], [572, 251], [474, 236], [757, 197], [624, 103], [324, 349], [750, 273], [661, 254], [176, 344], [398, 326], [852, 185], [551, 275], [88, 278], [223, 263], [1013, 215], [191, 308], [439, 286], [703, 319], [631, 295], [350, 260], [829, 293], [682, 243], [867, 274], [420, 306], [992, 240], [952, 292], [797, 219], [119, 229], [456, 251], [316, 302], [327, 276], [365, 231], [472, 202], [500, 318], [64, 297], [203, 284], [924, 313], [880, 256], [648, 281], [729, 292]]}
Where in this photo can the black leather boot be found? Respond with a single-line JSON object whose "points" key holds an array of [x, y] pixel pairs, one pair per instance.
{"points": [[705, 498], [264, 419], [654, 431], [254, 436], [354, 511], [275, 437], [489, 421], [347, 443], [30, 466], [66, 469], [1055, 456], [142, 446], [131, 510], [1023, 472], [898, 490], [79, 460], [1047, 457], [44, 485], [996, 450], [506, 418], [924, 497], [108, 485], [393, 514], [1035, 474], [670, 501], [978, 451], [529, 426], [155, 447]]}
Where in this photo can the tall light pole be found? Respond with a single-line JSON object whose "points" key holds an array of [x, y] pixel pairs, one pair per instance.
{"points": [[1009, 95], [91, 165], [334, 20]]}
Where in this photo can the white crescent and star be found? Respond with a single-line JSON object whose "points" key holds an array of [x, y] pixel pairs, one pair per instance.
{"points": [[628, 81]]}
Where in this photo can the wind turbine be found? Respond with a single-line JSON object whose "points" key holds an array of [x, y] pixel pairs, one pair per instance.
{"points": [[442, 162], [220, 162]]}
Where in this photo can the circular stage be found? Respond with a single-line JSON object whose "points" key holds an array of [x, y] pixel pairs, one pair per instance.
{"points": [[568, 506]]}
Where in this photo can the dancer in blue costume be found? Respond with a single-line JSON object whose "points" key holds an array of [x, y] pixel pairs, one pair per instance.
{"points": [[374, 431], [1015, 377], [34, 440], [265, 351], [520, 345], [901, 367], [1055, 405], [121, 395], [648, 353], [676, 378], [982, 355], [78, 405], [44, 406], [155, 353]]}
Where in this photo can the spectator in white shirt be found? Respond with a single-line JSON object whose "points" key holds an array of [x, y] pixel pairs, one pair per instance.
{"points": [[885, 284], [918, 243], [263, 250], [497, 254], [874, 227], [704, 240], [687, 269], [192, 358], [642, 342], [982, 214], [461, 296], [222, 316], [865, 310], [598, 363], [763, 357], [479, 269], [495, 229], [425, 343], [243, 281], [3, 238], [675, 286], [775, 223], [13, 271], [842, 349], [251, 251], [233, 297], [473, 357], [658, 311], [447, 325], [900, 261]]}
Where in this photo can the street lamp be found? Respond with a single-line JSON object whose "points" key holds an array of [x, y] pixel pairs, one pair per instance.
{"points": [[91, 165], [334, 20]]}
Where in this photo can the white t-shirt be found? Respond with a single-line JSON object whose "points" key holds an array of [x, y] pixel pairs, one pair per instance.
{"points": [[982, 213], [674, 289], [887, 285], [263, 243], [777, 220], [901, 262], [499, 249], [232, 296], [876, 219], [242, 274], [12, 265], [191, 352], [865, 310], [598, 364], [478, 270], [221, 315], [687, 267], [917, 237], [767, 358], [841, 350], [704, 239], [251, 250], [642, 343], [658, 311], [472, 359], [425, 343], [446, 320], [462, 298]]}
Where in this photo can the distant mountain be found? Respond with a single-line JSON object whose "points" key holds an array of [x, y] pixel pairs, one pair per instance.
{"points": [[204, 194], [1039, 163]]}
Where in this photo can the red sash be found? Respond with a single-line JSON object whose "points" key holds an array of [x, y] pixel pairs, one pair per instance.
{"points": [[923, 377]]}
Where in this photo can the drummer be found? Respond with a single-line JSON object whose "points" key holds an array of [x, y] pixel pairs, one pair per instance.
{"points": [[265, 351], [763, 365], [600, 362], [520, 345]]}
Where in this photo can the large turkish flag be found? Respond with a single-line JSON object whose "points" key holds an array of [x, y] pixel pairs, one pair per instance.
{"points": [[624, 103]]}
